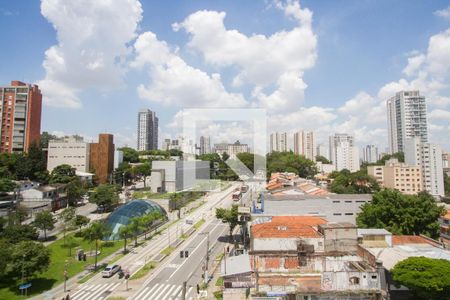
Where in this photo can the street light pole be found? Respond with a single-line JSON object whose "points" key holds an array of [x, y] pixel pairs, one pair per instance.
{"points": [[207, 257], [65, 276]]}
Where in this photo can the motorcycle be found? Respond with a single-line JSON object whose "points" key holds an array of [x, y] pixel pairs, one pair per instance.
{"points": [[121, 274]]}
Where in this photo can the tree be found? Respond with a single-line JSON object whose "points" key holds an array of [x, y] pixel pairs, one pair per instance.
{"points": [[95, 232], [7, 185], [136, 228], [447, 184], [74, 190], [358, 182], [229, 216], [15, 233], [28, 257], [427, 278], [143, 170], [5, 254], [62, 174], [129, 154], [322, 159], [148, 220], [104, 195], [80, 221], [125, 232], [70, 243], [45, 138], [44, 220], [290, 162], [398, 155], [66, 216], [401, 214], [38, 163]]}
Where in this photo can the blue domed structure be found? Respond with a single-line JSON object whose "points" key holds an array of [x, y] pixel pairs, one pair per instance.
{"points": [[125, 213]]}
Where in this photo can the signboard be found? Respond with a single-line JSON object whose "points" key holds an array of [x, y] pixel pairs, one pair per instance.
{"points": [[25, 286], [276, 294], [243, 210]]}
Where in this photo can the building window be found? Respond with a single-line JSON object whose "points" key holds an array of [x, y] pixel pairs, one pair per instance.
{"points": [[354, 280]]}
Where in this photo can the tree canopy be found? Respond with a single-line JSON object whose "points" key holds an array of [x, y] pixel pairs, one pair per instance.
{"points": [[44, 220], [105, 195], [63, 174], [129, 154], [447, 184], [229, 216], [426, 278], [29, 257], [401, 214], [290, 162], [322, 159], [345, 182]]}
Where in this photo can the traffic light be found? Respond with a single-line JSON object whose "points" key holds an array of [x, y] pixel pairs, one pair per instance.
{"points": [[186, 254], [198, 289], [181, 254]]}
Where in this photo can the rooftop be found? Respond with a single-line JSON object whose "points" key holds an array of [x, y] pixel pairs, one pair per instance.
{"points": [[372, 231], [287, 227], [236, 265], [410, 239]]}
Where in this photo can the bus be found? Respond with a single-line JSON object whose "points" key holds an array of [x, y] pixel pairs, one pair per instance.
{"points": [[236, 196]]}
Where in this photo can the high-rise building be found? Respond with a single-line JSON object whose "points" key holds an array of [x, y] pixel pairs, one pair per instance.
{"points": [[147, 135], [370, 154], [101, 159], [70, 150], [205, 145], [323, 150], [343, 152], [278, 142], [20, 116], [305, 144], [429, 157], [407, 118]]}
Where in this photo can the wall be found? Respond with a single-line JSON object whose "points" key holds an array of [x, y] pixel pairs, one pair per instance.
{"points": [[102, 157]]}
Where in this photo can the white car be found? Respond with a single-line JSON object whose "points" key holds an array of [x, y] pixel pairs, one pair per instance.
{"points": [[110, 270]]}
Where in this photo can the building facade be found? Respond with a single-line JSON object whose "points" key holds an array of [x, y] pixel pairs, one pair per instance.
{"points": [[70, 150], [343, 152], [429, 158], [101, 158], [305, 144], [400, 176], [278, 142], [370, 154], [407, 118], [323, 150], [147, 130], [205, 145], [20, 116]]}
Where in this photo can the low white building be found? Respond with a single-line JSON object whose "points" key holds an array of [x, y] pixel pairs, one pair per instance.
{"points": [[73, 151], [52, 196], [174, 176]]}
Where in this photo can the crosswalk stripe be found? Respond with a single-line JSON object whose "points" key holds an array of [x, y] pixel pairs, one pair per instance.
{"points": [[98, 291], [147, 295], [157, 296], [141, 292], [81, 290], [168, 293], [90, 292], [149, 291], [177, 290]]}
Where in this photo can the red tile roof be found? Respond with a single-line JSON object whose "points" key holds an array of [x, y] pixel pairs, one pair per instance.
{"points": [[288, 227], [410, 239]]}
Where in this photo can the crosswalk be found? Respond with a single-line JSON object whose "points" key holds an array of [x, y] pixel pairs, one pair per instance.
{"points": [[94, 291], [163, 292]]}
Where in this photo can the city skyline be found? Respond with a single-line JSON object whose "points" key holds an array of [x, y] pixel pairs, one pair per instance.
{"points": [[88, 84]]}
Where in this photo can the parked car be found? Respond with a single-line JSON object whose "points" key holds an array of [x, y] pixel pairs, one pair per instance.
{"points": [[189, 221], [110, 270]]}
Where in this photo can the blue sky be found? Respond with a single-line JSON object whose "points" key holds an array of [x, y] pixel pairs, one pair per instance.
{"points": [[322, 65]]}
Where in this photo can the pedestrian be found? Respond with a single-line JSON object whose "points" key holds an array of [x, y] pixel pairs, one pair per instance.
{"points": [[67, 297]]}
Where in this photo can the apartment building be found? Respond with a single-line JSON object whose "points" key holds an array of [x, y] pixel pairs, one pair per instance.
{"points": [[370, 154], [399, 176], [429, 158], [147, 130], [305, 144], [407, 118], [205, 145], [69, 150], [343, 152], [20, 116], [323, 150], [278, 142]]}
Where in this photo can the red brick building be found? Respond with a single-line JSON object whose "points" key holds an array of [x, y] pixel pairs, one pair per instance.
{"points": [[101, 159], [20, 116]]}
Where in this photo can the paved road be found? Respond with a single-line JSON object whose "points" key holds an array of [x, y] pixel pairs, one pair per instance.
{"points": [[100, 288]]}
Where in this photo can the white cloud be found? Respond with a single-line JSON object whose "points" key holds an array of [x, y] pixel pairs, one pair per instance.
{"points": [[174, 82], [439, 114], [414, 63], [444, 13], [92, 44], [362, 101], [262, 61]]}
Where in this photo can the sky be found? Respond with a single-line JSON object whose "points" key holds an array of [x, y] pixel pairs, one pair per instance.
{"points": [[327, 66]]}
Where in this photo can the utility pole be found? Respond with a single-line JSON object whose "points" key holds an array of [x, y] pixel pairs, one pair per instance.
{"points": [[225, 260]]}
